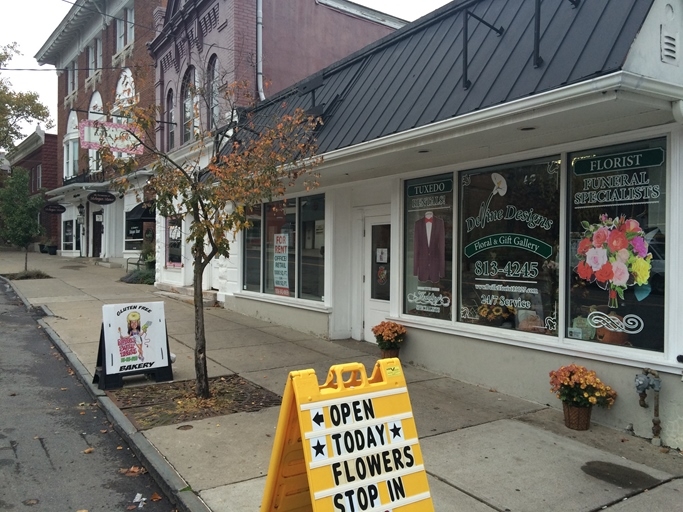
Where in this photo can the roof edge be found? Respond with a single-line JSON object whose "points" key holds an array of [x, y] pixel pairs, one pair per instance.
{"points": [[364, 12], [658, 92]]}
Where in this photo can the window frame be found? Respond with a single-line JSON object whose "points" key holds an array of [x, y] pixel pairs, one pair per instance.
{"points": [[170, 222], [267, 251], [188, 103], [170, 120]]}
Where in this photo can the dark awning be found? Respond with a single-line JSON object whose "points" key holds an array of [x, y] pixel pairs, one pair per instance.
{"points": [[141, 212]]}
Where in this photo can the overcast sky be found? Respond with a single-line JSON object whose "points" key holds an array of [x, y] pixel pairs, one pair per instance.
{"points": [[30, 23]]}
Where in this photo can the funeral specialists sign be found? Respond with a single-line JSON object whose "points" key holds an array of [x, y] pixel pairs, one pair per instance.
{"points": [[618, 231], [359, 445], [509, 239]]}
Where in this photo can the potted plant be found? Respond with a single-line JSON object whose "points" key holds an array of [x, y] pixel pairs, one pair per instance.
{"points": [[389, 336], [580, 389], [148, 253], [51, 246]]}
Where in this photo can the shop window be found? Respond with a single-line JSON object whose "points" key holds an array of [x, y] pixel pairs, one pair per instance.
{"points": [[509, 242], [280, 245], [312, 247], [134, 237], [428, 237], [68, 235], [617, 236], [174, 242], [284, 249], [252, 252]]}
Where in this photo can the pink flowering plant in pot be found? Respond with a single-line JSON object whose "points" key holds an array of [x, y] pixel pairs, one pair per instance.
{"points": [[614, 254], [389, 335], [579, 387]]}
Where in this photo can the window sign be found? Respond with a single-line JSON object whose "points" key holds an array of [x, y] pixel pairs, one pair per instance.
{"points": [[280, 264], [429, 247], [281, 240], [509, 225], [617, 230]]}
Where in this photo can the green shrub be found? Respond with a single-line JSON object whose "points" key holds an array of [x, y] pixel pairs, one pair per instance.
{"points": [[142, 276]]}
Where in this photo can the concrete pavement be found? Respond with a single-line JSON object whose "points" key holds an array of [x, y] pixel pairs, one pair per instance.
{"points": [[483, 451]]}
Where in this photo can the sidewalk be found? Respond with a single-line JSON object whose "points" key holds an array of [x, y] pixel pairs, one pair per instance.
{"points": [[483, 451]]}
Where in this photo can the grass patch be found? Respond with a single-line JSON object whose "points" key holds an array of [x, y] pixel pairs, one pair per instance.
{"points": [[143, 276], [28, 274]]}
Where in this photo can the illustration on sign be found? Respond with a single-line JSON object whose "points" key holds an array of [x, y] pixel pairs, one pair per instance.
{"points": [[135, 336]]}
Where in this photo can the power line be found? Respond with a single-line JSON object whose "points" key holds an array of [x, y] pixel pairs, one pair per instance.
{"points": [[78, 69]]}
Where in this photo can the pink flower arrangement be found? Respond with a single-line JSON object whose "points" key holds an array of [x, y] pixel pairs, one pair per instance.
{"points": [[614, 254]]}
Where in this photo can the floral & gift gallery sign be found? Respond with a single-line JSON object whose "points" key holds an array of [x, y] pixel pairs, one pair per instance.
{"points": [[509, 229], [618, 231]]}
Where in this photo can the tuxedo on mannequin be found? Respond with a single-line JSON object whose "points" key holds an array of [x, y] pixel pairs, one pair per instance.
{"points": [[429, 252]]}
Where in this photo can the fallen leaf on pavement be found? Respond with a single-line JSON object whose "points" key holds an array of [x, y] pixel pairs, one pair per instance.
{"points": [[89, 450], [131, 507], [133, 471], [103, 431], [156, 497]]}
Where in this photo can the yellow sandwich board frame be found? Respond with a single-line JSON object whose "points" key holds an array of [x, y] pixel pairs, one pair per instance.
{"points": [[349, 445]]}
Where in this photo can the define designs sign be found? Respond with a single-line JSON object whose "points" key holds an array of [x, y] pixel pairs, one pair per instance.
{"points": [[350, 444]]}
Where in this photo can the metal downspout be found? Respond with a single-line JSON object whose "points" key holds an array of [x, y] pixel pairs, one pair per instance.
{"points": [[259, 49]]}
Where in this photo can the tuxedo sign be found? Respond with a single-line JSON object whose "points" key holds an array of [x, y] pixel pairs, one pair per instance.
{"points": [[133, 340], [429, 237]]}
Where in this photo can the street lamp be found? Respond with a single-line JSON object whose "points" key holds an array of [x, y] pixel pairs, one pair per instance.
{"points": [[81, 209]]}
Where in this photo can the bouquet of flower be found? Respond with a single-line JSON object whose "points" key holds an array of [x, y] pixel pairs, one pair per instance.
{"points": [[389, 335], [614, 254], [580, 387]]}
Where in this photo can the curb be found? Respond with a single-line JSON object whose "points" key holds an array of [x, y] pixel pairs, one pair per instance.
{"points": [[177, 491]]}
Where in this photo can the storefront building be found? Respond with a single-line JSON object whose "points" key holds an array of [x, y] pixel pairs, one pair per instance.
{"points": [[516, 213]]}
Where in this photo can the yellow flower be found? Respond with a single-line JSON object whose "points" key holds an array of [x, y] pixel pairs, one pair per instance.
{"points": [[640, 269]]}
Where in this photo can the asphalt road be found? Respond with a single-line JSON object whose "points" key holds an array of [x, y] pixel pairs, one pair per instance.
{"points": [[58, 451]]}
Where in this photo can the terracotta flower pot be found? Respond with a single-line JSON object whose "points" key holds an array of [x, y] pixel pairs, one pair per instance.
{"points": [[577, 418]]}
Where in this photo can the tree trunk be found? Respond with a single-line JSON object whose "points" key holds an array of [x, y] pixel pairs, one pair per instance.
{"points": [[202, 385], [25, 259]]}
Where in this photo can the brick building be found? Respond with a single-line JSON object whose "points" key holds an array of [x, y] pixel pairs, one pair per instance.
{"points": [[38, 155], [112, 52], [100, 51]]}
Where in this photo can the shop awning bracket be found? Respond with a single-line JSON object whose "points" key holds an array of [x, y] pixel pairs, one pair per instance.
{"points": [[538, 60], [465, 20]]}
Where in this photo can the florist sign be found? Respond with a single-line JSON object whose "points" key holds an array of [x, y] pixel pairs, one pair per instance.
{"points": [[618, 222]]}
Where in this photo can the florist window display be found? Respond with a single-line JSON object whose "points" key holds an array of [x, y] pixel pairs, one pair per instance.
{"points": [[509, 229], [617, 229]]}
